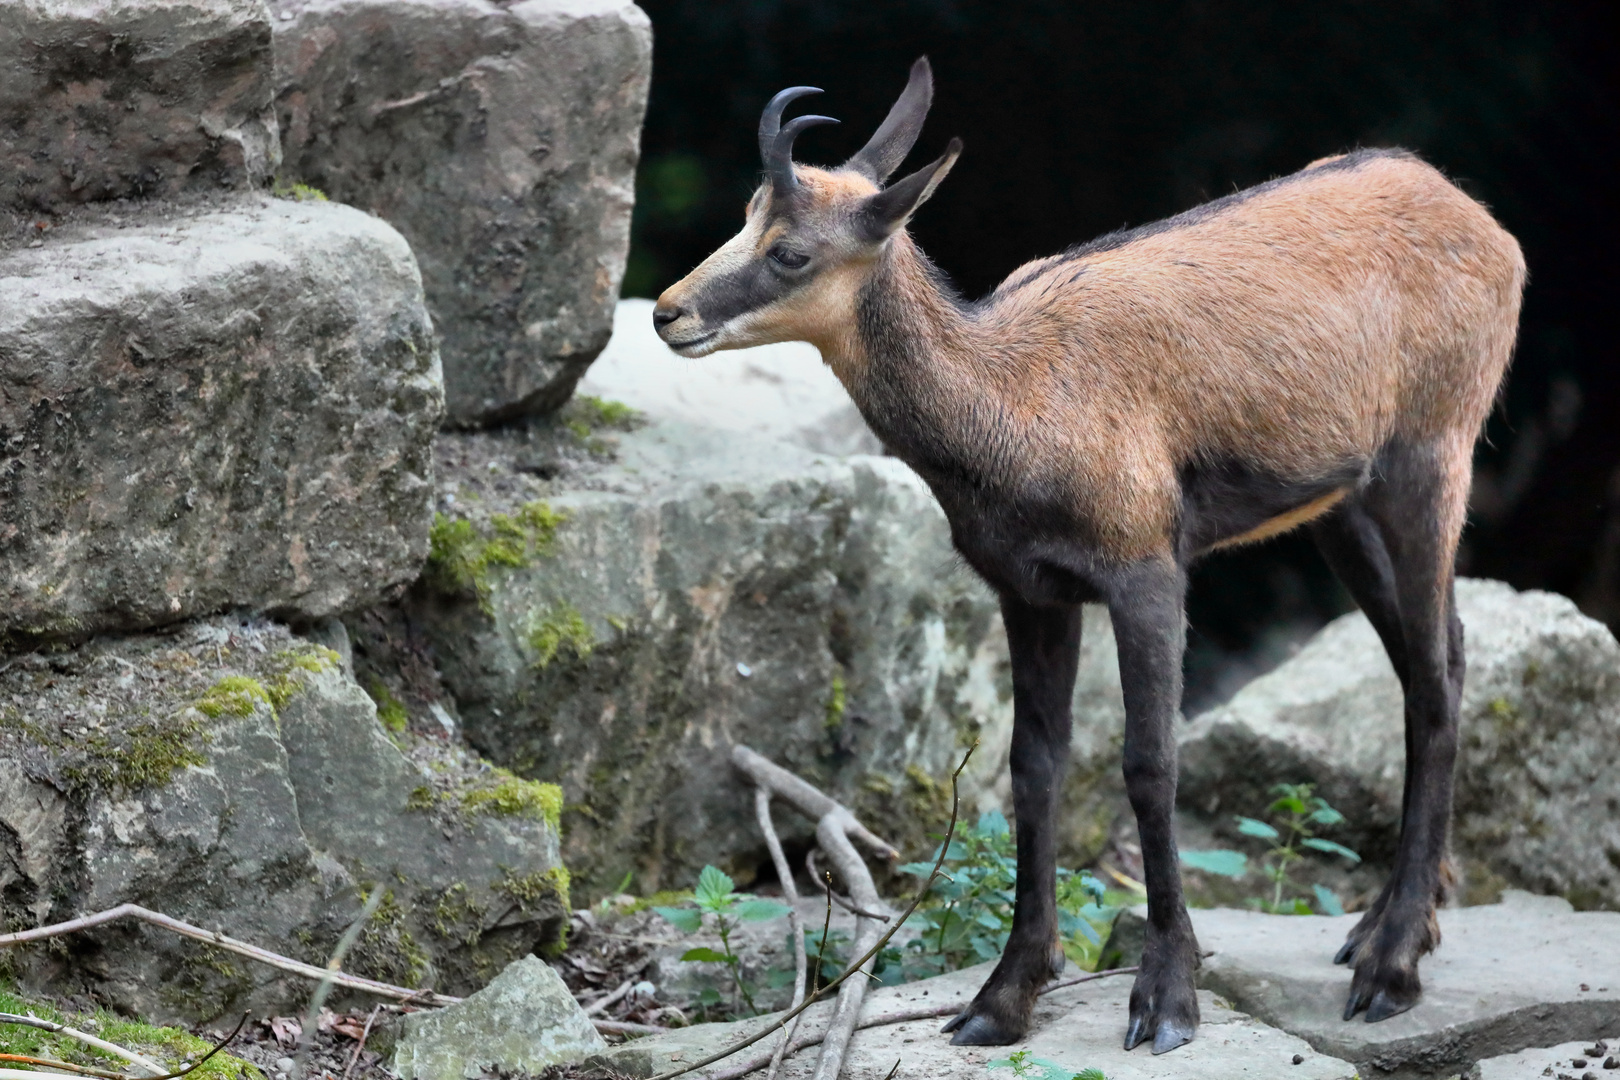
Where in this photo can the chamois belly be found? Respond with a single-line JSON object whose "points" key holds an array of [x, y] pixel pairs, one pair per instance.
{"points": [[1229, 504]]}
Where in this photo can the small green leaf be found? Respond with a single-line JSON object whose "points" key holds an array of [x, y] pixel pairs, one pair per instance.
{"points": [[1248, 826], [1330, 847], [685, 920], [1232, 864], [709, 996], [1289, 804], [755, 909], [1327, 901], [714, 888], [993, 823], [1089, 1074], [706, 955], [1326, 815]]}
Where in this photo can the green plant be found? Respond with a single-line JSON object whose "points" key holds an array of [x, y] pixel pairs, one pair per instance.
{"points": [[717, 898], [970, 910], [1298, 812], [1025, 1066]]}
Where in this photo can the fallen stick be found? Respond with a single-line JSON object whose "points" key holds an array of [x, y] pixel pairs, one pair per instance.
{"points": [[790, 891], [229, 944], [602, 1003], [898, 1016], [103, 1045]]}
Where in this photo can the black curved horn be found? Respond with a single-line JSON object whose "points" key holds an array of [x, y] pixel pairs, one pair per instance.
{"points": [[779, 163], [770, 121]]}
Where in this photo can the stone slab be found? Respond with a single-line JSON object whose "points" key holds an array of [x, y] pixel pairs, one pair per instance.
{"points": [[501, 140], [1537, 794], [780, 391], [1568, 1061], [1076, 1028], [524, 1020], [104, 99], [233, 775], [1529, 971], [211, 406]]}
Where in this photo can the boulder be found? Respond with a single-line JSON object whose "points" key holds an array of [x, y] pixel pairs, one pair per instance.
{"points": [[208, 406], [230, 774], [525, 1020], [615, 622], [102, 99], [1528, 971], [1073, 1029], [501, 140], [781, 391], [1537, 797]]}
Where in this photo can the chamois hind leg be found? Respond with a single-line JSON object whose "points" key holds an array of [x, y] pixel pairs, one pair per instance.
{"points": [[1418, 502], [1045, 648], [1147, 605]]}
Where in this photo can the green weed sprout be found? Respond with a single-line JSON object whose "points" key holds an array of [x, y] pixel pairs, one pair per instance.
{"points": [[716, 896], [969, 917], [1298, 812], [1027, 1067]]}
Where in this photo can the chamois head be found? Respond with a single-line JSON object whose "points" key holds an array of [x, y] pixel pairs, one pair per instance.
{"points": [[811, 236]]}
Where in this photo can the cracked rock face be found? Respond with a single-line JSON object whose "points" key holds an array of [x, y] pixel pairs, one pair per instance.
{"points": [[233, 775], [501, 140], [1537, 796], [105, 100], [207, 406]]}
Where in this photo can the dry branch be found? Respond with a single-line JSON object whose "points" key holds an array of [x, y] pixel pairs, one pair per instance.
{"points": [[103, 1045], [790, 892]]}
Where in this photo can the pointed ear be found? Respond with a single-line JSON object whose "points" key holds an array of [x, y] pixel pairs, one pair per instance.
{"points": [[895, 137], [886, 213]]}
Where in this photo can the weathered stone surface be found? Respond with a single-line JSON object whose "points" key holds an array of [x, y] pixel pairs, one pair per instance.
{"points": [[1554, 1061], [1538, 797], [102, 99], [1076, 1028], [706, 588], [231, 775], [214, 407], [524, 1020], [501, 140], [775, 391], [1528, 971]]}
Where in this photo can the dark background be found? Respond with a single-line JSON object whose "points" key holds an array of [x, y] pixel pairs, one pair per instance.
{"points": [[1082, 117]]}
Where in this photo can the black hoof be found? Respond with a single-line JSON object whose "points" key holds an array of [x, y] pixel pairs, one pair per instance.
{"points": [[1385, 1005], [1136, 1032], [1172, 1034], [972, 1029], [1346, 951], [1355, 1003]]}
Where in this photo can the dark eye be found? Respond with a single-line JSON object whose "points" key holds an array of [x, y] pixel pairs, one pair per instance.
{"points": [[788, 257]]}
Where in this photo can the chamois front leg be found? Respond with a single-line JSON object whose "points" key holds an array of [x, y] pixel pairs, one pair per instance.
{"points": [[1045, 648], [1146, 604]]}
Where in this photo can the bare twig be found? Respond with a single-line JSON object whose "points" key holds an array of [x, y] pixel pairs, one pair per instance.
{"points": [[103, 1045], [229, 944], [359, 1047], [625, 1027], [602, 1003], [24, 1059], [790, 892], [843, 902], [870, 953]]}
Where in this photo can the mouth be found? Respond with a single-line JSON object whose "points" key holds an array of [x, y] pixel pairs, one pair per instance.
{"points": [[693, 346]]}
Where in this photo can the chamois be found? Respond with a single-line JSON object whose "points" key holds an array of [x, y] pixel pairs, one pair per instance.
{"points": [[1322, 348]]}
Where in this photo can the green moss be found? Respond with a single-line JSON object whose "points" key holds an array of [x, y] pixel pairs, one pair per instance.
{"points": [[461, 557], [168, 1046], [513, 796], [837, 701], [145, 754], [390, 710], [529, 891], [560, 627], [458, 917], [297, 192], [234, 695], [386, 950], [423, 798]]}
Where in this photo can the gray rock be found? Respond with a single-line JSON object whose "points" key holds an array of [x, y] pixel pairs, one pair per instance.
{"points": [[104, 100], [707, 588], [233, 776], [1076, 1028], [1528, 971], [524, 1020], [502, 140], [219, 406], [1551, 1060], [775, 391], [1538, 798]]}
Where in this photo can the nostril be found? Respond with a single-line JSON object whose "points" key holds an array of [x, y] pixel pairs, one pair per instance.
{"points": [[662, 317]]}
